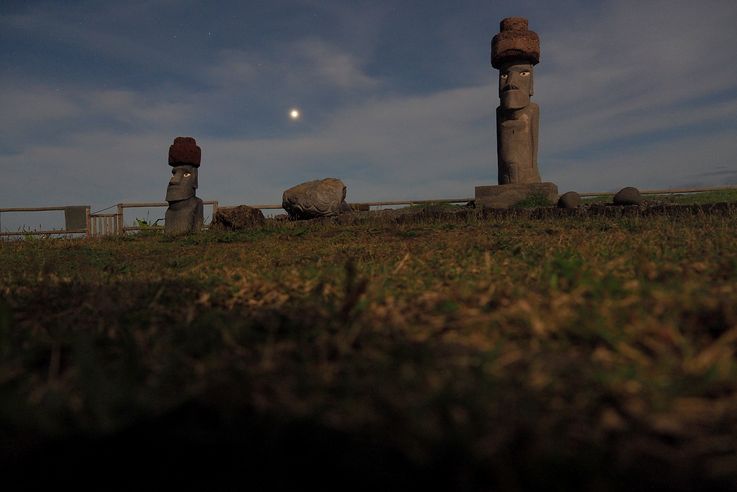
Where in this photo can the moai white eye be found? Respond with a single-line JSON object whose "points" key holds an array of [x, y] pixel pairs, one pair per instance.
{"points": [[187, 175], [524, 73], [504, 75]]}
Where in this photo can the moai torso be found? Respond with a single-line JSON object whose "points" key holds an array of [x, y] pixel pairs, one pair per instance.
{"points": [[516, 138], [184, 217]]}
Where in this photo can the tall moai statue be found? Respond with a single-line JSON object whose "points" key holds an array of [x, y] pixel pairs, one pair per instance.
{"points": [[515, 50], [185, 214]]}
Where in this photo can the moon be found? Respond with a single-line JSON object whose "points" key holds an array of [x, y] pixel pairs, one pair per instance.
{"points": [[294, 114]]}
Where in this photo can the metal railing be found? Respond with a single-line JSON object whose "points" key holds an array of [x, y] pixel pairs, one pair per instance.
{"points": [[670, 191], [378, 204]]}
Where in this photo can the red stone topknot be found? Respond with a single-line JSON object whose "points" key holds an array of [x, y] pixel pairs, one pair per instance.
{"points": [[184, 152], [515, 43]]}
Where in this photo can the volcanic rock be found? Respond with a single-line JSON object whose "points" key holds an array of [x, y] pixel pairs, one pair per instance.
{"points": [[237, 218], [184, 152], [628, 196], [569, 200], [319, 198], [515, 42]]}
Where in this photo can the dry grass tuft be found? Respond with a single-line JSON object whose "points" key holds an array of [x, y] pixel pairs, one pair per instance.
{"points": [[468, 351]]}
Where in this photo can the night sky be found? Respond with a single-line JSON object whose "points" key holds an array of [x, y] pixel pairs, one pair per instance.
{"points": [[397, 97]]}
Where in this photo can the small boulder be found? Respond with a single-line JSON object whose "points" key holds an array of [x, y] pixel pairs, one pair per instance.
{"points": [[319, 198], [628, 196], [569, 200], [237, 218]]}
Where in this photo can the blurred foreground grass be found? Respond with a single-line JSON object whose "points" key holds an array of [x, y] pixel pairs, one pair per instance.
{"points": [[466, 353]]}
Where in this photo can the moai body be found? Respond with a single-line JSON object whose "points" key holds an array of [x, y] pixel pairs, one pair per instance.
{"points": [[517, 123], [185, 213], [515, 51]]}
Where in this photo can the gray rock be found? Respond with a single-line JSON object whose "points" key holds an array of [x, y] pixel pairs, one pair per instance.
{"points": [[237, 218], [628, 196], [509, 195], [569, 200], [319, 198]]}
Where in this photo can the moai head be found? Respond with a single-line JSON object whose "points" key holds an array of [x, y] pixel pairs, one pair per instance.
{"points": [[514, 51], [515, 85], [182, 184], [184, 157]]}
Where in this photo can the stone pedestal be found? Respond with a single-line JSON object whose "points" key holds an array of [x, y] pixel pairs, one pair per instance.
{"points": [[509, 195]]}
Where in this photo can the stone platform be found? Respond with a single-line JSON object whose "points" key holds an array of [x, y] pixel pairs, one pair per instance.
{"points": [[508, 195]]}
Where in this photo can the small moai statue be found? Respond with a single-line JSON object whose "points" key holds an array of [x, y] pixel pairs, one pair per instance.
{"points": [[185, 214], [514, 52]]}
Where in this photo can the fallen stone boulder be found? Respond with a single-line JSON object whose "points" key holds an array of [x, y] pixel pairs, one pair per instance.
{"points": [[313, 199], [569, 200], [628, 196], [237, 218]]}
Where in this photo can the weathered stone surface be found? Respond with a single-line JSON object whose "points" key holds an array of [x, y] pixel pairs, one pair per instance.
{"points": [[515, 42], [514, 51], [185, 214], [569, 200], [182, 184], [516, 137], [509, 195], [237, 218], [184, 151], [319, 198], [184, 217], [628, 196]]}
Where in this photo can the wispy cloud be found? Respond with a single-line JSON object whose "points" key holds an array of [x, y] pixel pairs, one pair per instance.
{"points": [[630, 93], [304, 65]]}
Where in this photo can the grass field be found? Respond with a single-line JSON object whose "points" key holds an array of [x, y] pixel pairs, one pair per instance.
{"points": [[389, 352]]}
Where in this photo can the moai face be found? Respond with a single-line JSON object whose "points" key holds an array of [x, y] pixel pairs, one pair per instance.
{"points": [[515, 85], [182, 184]]}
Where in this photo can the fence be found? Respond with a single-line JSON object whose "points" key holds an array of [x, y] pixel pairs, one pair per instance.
{"points": [[76, 220], [379, 204], [79, 220], [122, 228], [104, 225], [671, 191]]}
